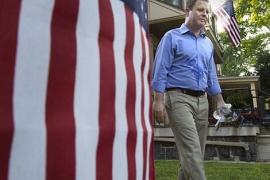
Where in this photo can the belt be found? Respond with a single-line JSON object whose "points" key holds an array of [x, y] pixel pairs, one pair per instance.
{"points": [[187, 91]]}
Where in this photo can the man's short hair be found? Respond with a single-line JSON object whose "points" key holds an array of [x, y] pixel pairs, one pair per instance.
{"points": [[191, 3]]}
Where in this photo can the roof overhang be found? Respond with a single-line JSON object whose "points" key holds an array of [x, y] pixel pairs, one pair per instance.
{"points": [[239, 82], [162, 12]]}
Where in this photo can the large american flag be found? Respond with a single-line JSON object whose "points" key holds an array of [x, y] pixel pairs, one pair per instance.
{"points": [[74, 90], [226, 15]]}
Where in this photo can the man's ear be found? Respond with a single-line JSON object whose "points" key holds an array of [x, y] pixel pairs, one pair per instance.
{"points": [[187, 12]]}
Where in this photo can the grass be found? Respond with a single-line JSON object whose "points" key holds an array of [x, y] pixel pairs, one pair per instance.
{"points": [[167, 170]]}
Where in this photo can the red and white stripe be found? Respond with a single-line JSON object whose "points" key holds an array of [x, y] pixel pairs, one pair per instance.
{"points": [[75, 96], [230, 25]]}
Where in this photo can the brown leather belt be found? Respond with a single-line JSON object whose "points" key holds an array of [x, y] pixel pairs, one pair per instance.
{"points": [[187, 91]]}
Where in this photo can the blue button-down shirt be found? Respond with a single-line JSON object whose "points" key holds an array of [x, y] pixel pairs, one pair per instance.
{"points": [[185, 61]]}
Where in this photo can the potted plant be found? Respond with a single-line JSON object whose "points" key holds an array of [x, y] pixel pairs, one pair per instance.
{"points": [[237, 101]]}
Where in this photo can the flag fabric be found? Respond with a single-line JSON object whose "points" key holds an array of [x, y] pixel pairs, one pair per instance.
{"points": [[75, 95], [226, 15]]}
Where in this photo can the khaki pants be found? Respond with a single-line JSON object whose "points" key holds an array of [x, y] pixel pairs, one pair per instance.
{"points": [[188, 119]]}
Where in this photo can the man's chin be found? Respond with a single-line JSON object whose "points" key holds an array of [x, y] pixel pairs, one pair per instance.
{"points": [[201, 25]]}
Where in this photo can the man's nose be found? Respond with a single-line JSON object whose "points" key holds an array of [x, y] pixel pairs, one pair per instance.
{"points": [[205, 13]]}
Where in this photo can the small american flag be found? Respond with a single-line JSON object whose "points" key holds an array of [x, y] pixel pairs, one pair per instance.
{"points": [[74, 90], [226, 15]]}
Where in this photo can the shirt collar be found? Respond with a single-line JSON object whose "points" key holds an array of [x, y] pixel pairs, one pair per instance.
{"points": [[184, 29]]}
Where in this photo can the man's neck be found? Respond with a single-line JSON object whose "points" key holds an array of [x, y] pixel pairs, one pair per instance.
{"points": [[196, 31]]}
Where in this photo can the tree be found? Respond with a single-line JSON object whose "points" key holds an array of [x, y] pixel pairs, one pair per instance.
{"points": [[257, 12], [254, 23]]}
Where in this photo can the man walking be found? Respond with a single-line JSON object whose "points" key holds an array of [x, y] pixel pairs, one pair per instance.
{"points": [[183, 73]]}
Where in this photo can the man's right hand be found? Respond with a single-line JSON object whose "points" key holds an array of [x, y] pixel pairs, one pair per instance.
{"points": [[158, 108]]}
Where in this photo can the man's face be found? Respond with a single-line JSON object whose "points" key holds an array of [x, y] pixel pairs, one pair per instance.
{"points": [[197, 17]]}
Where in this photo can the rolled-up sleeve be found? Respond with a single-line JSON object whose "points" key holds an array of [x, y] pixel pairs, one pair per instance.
{"points": [[163, 60], [213, 84]]}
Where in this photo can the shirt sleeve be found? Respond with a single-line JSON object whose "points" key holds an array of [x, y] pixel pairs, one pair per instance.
{"points": [[163, 60], [213, 84]]}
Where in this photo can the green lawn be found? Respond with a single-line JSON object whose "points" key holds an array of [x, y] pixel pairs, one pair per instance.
{"points": [[167, 170]]}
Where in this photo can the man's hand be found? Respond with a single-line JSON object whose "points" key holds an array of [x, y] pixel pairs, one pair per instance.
{"points": [[220, 102], [159, 111], [158, 108]]}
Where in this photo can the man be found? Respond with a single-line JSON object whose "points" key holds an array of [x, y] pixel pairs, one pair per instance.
{"points": [[184, 71]]}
